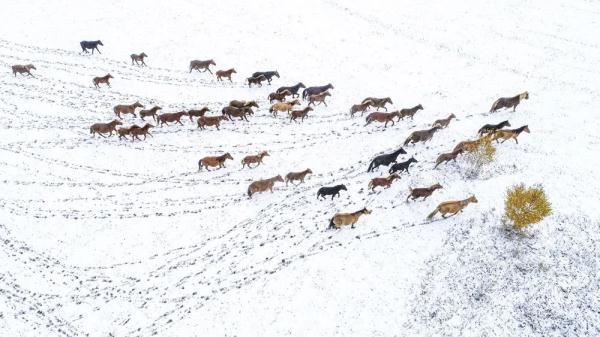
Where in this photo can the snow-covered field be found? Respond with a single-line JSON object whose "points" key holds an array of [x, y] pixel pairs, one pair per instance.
{"points": [[100, 236]]}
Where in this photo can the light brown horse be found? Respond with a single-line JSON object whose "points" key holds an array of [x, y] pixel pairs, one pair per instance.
{"points": [[197, 113], [320, 98], [198, 65], [410, 112], [170, 117], [204, 121], [290, 177], [443, 123], [263, 185], [471, 145], [422, 192], [243, 104], [124, 132], [451, 207], [138, 58], [225, 73], [256, 80], [101, 128], [23, 69], [509, 134], [152, 112], [279, 96], [446, 157], [509, 102], [219, 161], [127, 109], [343, 219], [144, 130], [378, 102], [386, 182], [255, 159], [282, 106], [300, 114], [421, 136], [360, 107], [104, 79], [382, 117]]}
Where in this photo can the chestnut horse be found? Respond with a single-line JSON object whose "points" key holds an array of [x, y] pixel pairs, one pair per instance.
{"points": [[382, 117], [263, 185], [23, 69], [152, 112], [320, 97], [360, 107], [198, 65], [127, 109], [446, 157], [138, 58], [123, 132], [386, 182], [243, 104], [509, 102], [101, 128], [255, 159], [213, 161], [279, 96], [300, 114], [210, 121], [225, 73], [104, 79], [422, 192], [197, 113], [378, 102], [231, 112], [167, 118], [290, 177], [144, 130]]}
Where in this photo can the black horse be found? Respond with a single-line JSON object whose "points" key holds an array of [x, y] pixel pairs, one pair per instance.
{"points": [[316, 90], [491, 128], [402, 166], [268, 74], [293, 89], [85, 45], [385, 159], [333, 191]]}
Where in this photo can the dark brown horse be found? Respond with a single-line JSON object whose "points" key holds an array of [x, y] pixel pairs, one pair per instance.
{"points": [[127, 109], [360, 107], [256, 80], [225, 73], [219, 161], [152, 112], [491, 128], [378, 102], [171, 117], [290, 177], [300, 114], [446, 157], [104, 79], [279, 96], [410, 112], [100, 128], [421, 136], [138, 58], [509, 102], [197, 113], [124, 132], [144, 130], [320, 97], [201, 65], [382, 117], [422, 192], [231, 112], [23, 69], [204, 121], [243, 104]]}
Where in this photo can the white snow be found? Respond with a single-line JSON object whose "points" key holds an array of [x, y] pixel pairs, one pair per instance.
{"points": [[100, 236]]}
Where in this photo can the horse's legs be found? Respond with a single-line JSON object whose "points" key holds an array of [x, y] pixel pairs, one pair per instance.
{"points": [[208, 69], [324, 103], [97, 50], [179, 121], [230, 79], [516, 140]]}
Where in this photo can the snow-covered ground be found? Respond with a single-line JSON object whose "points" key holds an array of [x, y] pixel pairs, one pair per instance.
{"points": [[100, 236]]}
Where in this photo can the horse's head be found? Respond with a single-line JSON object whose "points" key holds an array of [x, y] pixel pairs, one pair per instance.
{"points": [[212, 62], [389, 100], [148, 126], [308, 108], [401, 151], [116, 122], [233, 71], [264, 154], [156, 108], [526, 128], [295, 102], [452, 116], [276, 73], [301, 85], [143, 55], [330, 86], [279, 178], [137, 105], [309, 171], [228, 156], [365, 211], [30, 66], [326, 93], [252, 103], [393, 176], [419, 107], [109, 76], [436, 186], [100, 43], [472, 199], [342, 187], [524, 95], [412, 160]]}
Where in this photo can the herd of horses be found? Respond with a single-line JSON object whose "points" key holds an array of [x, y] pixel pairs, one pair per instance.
{"points": [[315, 96]]}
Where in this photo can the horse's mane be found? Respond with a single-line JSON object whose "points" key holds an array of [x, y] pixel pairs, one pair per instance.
{"points": [[519, 130]]}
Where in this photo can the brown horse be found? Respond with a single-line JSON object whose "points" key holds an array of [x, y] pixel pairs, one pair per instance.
{"points": [[509, 102], [152, 112], [256, 80], [344, 219], [290, 177], [445, 157], [443, 123], [279, 96], [127, 109], [300, 114], [509, 134], [225, 73], [144, 130], [320, 97], [387, 181], [231, 112], [378, 102], [138, 58], [104, 79], [282, 106], [170, 117], [452, 207], [101, 128], [263, 185], [256, 159], [198, 65], [197, 113], [422, 192], [123, 132], [23, 69], [204, 121], [382, 117], [243, 104], [360, 107], [213, 161], [410, 112], [421, 136], [471, 145]]}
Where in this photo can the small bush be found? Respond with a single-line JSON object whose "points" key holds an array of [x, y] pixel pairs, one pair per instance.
{"points": [[482, 155], [525, 206]]}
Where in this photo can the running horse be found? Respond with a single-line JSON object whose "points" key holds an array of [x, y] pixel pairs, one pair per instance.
{"points": [[344, 219], [85, 45], [219, 161], [293, 89], [198, 65], [382, 117], [509, 102], [127, 109], [451, 207], [316, 90], [104, 79], [100, 128], [267, 74], [225, 73], [263, 185], [138, 58], [23, 69], [378, 102]]}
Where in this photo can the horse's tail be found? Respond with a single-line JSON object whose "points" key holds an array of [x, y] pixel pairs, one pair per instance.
{"points": [[371, 166], [370, 184], [432, 214], [91, 130], [200, 165], [249, 192], [407, 140], [304, 93], [331, 224], [271, 109], [494, 105]]}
